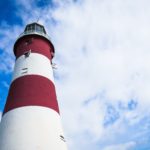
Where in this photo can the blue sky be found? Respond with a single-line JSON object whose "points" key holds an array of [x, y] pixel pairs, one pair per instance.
{"points": [[103, 76]]}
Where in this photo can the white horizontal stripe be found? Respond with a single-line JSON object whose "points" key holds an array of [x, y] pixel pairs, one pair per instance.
{"points": [[36, 64], [31, 128]]}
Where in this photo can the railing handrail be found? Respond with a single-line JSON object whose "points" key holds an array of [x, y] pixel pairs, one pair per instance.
{"points": [[34, 32]]}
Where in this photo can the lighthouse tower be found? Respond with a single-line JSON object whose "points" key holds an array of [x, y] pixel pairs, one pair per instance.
{"points": [[31, 119]]}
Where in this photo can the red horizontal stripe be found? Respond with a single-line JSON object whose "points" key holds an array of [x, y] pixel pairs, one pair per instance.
{"points": [[31, 90], [35, 43]]}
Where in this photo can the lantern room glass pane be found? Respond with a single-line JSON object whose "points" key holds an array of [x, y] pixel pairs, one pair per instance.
{"points": [[35, 28]]}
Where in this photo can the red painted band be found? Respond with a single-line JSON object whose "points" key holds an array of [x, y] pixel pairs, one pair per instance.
{"points": [[35, 43], [31, 90]]}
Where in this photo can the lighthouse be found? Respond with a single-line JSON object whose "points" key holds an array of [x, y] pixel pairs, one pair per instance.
{"points": [[31, 117]]}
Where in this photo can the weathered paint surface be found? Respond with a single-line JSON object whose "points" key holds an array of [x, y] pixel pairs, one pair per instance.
{"points": [[35, 43], [31, 128], [31, 90], [35, 64]]}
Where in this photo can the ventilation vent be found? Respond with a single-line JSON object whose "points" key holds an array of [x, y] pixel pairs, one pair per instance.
{"points": [[62, 138], [24, 70]]}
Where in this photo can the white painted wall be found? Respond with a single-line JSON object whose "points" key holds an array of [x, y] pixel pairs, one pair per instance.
{"points": [[31, 128], [36, 64]]}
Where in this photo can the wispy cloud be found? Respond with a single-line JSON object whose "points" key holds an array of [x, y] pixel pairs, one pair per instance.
{"points": [[8, 36], [125, 146], [0, 116]]}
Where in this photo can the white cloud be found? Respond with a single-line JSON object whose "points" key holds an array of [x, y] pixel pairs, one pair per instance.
{"points": [[8, 36], [102, 47], [125, 146]]}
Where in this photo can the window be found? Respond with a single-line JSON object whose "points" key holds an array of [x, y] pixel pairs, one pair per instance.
{"points": [[27, 54]]}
